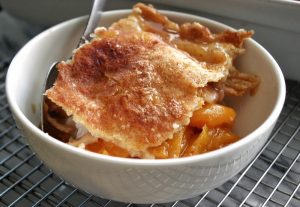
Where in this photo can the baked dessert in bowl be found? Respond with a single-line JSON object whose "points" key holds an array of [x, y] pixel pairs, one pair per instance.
{"points": [[175, 72], [147, 87]]}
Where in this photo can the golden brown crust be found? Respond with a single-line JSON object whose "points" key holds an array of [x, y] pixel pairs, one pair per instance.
{"points": [[134, 90], [239, 83], [149, 13], [196, 32]]}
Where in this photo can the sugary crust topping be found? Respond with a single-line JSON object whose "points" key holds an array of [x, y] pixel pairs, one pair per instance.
{"points": [[131, 89]]}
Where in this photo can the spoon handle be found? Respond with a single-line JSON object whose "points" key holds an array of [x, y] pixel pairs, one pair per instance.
{"points": [[94, 18]]}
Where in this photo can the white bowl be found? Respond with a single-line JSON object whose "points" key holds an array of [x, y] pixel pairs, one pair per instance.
{"points": [[133, 180]]}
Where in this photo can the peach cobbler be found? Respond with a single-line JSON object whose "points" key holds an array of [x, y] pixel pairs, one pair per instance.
{"points": [[147, 87]]}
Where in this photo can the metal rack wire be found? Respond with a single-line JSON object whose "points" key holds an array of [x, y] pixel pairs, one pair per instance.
{"points": [[271, 179]]}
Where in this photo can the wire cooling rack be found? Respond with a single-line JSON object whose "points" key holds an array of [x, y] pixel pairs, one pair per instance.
{"points": [[271, 179]]}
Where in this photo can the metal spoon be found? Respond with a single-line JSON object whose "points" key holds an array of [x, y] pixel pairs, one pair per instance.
{"points": [[91, 25]]}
